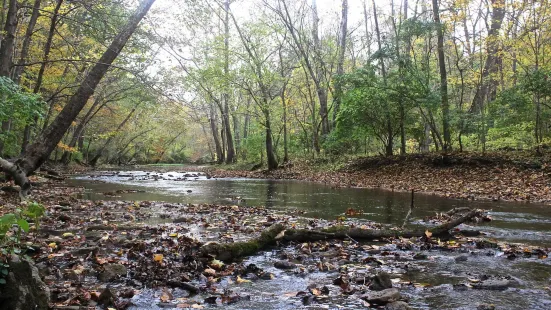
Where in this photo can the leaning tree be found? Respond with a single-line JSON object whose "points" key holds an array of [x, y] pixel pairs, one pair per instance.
{"points": [[38, 152]]}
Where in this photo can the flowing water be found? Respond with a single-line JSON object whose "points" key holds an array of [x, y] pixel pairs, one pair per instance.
{"points": [[512, 222]]}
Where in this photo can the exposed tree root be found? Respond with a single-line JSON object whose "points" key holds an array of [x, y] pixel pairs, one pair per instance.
{"points": [[277, 232]]}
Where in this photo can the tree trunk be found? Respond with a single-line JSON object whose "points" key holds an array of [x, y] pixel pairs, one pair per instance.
{"points": [[272, 161], [40, 77], [340, 62], [40, 150], [214, 130], [285, 133], [8, 40], [487, 85], [284, 105], [389, 147], [443, 79], [321, 90], [27, 42], [230, 154], [6, 53]]}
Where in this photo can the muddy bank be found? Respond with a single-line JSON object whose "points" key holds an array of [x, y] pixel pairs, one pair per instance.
{"points": [[494, 177]]}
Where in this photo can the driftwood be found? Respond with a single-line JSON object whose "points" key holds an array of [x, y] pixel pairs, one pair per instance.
{"points": [[278, 232]]}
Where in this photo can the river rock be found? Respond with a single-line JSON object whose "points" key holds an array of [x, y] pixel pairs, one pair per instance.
{"points": [[397, 305], [381, 282], [493, 284], [23, 289], [112, 272], [107, 297], [283, 264], [461, 258], [382, 297]]}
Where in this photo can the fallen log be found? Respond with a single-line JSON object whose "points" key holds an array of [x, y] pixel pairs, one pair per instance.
{"points": [[343, 232], [231, 251], [277, 232]]}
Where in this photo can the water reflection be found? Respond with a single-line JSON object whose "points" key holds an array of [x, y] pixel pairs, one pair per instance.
{"points": [[513, 221]]}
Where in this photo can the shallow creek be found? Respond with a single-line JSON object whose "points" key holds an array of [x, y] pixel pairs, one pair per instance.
{"points": [[437, 274]]}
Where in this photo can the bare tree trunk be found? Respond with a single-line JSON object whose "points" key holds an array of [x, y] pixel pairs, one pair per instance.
{"points": [[230, 155], [272, 161], [6, 53], [2, 15], [389, 147], [340, 62], [443, 79], [38, 152], [285, 130], [321, 90], [40, 77], [284, 105], [27, 42], [214, 130], [487, 85]]}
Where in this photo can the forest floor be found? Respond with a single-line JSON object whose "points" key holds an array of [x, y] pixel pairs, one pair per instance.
{"points": [[510, 176]]}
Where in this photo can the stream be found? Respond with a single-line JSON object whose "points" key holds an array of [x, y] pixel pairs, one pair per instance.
{"points": [[439, 274]]}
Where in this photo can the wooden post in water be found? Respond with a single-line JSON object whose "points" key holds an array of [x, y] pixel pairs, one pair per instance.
{"points": [[410, 208]]}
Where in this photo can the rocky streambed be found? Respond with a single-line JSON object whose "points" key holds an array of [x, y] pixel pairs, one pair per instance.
{"points": [[130, 254]]}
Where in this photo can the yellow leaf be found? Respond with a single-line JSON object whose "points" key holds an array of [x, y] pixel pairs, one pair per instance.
{"points": [[158, 258], [216, 264], [240, 280], [428, 233], [165, 297], [53, 245], [68, 234], [210, 271], [173, 235]]}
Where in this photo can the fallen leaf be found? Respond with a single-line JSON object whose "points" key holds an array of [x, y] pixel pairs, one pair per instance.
{"points": [[158, 258], [240, 280], [428, 234], [210, 271], [280, 235], [216, 264]]}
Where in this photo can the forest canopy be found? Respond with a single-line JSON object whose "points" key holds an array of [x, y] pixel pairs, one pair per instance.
{"points": [[267, 81]]}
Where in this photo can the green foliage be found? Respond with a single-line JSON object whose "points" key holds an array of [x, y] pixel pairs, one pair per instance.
{"points": [[537, 82], [10, 238], [12, 225], [19, 107]]}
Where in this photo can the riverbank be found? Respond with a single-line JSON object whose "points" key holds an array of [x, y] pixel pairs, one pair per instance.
{"points": [[146, 255], [497, 177]]}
